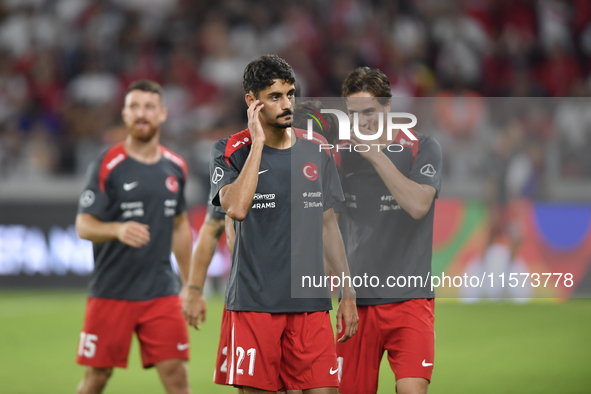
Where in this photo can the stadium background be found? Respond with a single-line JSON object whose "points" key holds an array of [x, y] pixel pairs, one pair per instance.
{"points": [[64, 65]]}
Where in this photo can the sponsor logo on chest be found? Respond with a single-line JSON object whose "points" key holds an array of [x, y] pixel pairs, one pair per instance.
{"points": [[263, 201]]}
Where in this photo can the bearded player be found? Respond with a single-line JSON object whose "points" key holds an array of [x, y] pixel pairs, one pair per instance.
{"points": [[276, 342], [390, 195], [133, 210], [195, 304]]}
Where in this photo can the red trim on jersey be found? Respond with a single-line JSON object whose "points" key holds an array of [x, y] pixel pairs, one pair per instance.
{"points": [[403, 140], [176, 159], [235, 142], [316, 137], [114, 156]]}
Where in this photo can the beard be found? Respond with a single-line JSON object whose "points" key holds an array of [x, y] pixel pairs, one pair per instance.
{"points": [[285, 124], [143, 135]]}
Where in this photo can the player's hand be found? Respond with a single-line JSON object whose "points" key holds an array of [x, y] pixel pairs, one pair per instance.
{"points": [[374, 150], [133, 234], [347, 311], [194, 308], [254, 122]]}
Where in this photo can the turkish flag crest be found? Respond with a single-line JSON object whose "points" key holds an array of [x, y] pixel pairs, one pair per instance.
{"points": [[310, 171], [172, 183]]}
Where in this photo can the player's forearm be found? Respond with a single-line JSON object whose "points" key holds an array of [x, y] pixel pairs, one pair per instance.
{"points": [[181, 245], [415, 199], [92, 229], [334, 252], [230, 234], [236, 198], [209, 237]]}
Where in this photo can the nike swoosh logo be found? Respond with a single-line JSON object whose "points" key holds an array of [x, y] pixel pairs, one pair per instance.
{"points": [[333, 372], [426, 364], [260, 172], [182, 347], [128, 186]]}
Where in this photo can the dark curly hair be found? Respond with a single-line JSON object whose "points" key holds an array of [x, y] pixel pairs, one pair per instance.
{"points": [[260, 73], [370, 80]]}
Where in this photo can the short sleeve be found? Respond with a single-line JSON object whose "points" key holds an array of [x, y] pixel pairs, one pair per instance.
{"points": [[428, 164], [215, 212], [94, 200], [332, 191], [221, 172]]}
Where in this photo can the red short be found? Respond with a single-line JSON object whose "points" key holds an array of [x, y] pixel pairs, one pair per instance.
{"points": [[277, 352], [404, 329], [221, 365], [109, 325]]}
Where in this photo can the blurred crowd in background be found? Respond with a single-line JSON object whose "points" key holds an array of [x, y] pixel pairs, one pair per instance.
{"points": [[65, 64]]}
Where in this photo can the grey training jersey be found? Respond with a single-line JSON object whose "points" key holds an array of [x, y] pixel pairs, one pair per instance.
{"points": [[215, 212], [118, 189], [281, 236], [381, 239]]}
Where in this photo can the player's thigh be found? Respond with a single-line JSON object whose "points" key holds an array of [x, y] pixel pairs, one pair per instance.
{"points": [[309, 357], [254, 350], [409, 337], [359, 358], [412, 386], [253, 390], [162, 331], [321, 390], [107, 332]]}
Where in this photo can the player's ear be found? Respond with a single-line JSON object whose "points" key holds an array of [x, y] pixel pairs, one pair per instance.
{"points": [[388, 105], [249, 98], [163, 114]]}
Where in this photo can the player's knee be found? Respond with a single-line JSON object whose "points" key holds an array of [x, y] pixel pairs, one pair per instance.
{"points": [[174, 375], [173, 368], [97, 377]]}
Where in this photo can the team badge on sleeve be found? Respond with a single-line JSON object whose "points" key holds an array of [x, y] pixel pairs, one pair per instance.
{"points": [[87, 198], [217, 176], [428, 170]]}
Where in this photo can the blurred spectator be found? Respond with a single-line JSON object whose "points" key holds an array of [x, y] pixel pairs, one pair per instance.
{"points": [[93, 86], [462, 43], [27, 28], [13, 90], [573, 125], [559, 71], [65, 63]]}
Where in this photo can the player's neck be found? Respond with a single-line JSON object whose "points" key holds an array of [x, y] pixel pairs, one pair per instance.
{"points": [[147, 152], [278, 138]]}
